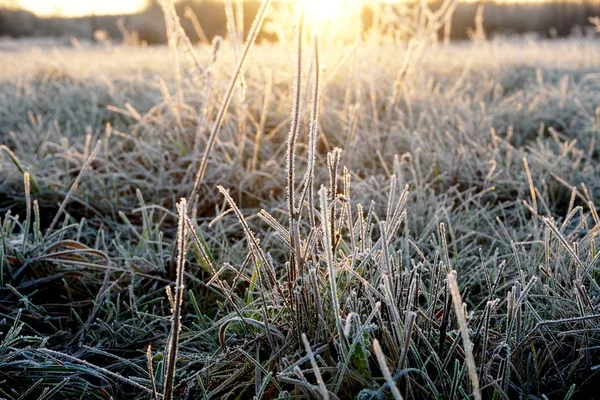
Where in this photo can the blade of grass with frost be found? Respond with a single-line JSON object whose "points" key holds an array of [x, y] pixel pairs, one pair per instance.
{"points": [[312, 139], [27, 183], [170, 24], [173, 341], [57, 354], [232, 30], [385, 370], [254, 30], [17, 164], [151, 372], [464, 332], [563, 241], [295, 263], [37, 230], [341, 375], [191, 15], [252, 241], [260, 259], [387, 285], [239, 9], [315, 367], [73, 187], [328, 244], [208, 261]]}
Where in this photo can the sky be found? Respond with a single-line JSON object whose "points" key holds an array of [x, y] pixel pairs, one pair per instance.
{"points": [[81, 7]]}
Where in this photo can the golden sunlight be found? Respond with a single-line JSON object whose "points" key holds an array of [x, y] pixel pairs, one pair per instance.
{"points": [[324, 10], [327, 11]]}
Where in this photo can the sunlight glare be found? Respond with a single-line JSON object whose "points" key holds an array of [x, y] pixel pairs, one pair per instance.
{"points": [[323, 11]]}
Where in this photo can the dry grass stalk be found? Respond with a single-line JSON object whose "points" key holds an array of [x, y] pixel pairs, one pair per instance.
{"points": [[464, 333], [385, 370]]}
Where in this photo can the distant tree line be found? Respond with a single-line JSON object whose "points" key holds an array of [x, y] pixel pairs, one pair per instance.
{"points": [[556, 18]]}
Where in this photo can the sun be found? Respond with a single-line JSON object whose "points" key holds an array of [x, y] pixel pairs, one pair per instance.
{"points": [[324, 11]]}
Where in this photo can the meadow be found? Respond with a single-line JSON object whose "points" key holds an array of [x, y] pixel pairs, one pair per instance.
{"points": [[377, 218]]}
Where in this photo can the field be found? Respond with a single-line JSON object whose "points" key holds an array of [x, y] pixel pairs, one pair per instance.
{"points": [[443, 240]]}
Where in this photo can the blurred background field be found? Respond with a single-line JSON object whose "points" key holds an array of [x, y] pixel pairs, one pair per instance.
{"points": [[547, 18]]}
